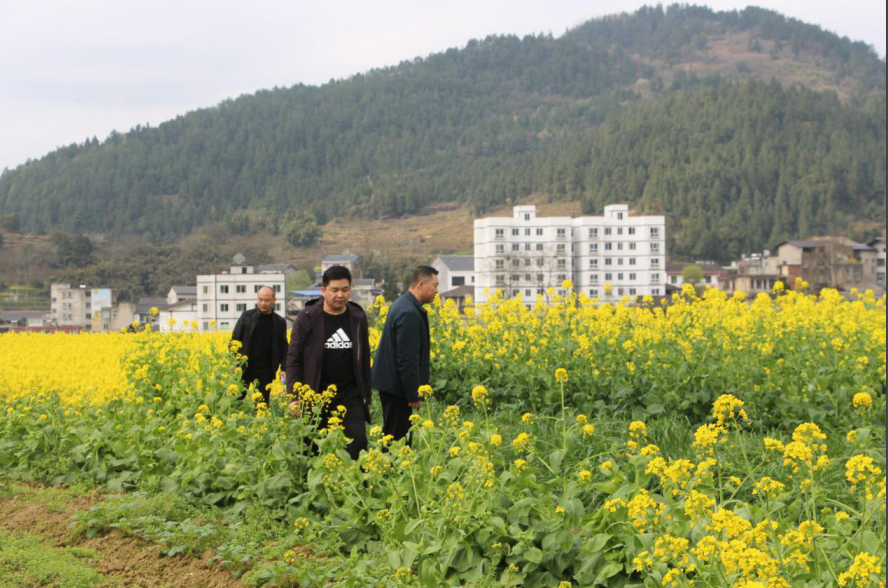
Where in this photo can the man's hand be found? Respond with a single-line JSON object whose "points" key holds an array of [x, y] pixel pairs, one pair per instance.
{"points": [[295, 409], [415, 405]]}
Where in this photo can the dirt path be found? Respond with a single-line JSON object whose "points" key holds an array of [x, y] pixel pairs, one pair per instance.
{"points": [[125, 561]]}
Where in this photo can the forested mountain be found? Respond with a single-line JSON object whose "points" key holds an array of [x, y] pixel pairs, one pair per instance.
{"points": [[660, 109]]}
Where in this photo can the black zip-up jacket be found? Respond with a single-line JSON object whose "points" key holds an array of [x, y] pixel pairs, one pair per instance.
{"points": [[243, 332], [305, 356], [402, 359]]}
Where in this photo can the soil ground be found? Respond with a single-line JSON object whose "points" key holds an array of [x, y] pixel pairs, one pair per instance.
{"points": [[123, 561]]}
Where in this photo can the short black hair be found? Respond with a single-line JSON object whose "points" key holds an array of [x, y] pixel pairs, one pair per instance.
{"points": [[336, 272], [423, 272]]}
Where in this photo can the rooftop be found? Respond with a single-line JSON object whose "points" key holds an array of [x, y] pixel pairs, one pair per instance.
{"points": [[334, 258], [458, 263]]}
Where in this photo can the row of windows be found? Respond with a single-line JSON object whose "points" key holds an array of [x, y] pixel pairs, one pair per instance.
{"points": [[562, 247], [239, 307], [561, 233], [594, 293], [539, 262], [241, 288], [632, 276], [593, 263]]}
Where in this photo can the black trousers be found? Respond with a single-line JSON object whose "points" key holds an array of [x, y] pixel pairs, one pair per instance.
{"points": [[395, 415], [353, 423], [262, 377]]}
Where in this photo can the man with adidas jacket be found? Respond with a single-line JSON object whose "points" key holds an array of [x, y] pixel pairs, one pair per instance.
{"points": [[330, 345]]}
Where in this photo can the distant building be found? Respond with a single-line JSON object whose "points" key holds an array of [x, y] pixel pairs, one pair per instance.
{"points": [[270, 268], [348, 260], [753, 274], [91, 309], [714, 275], [525, 254], [142, 312], [25, 320], [180, 293], [222, 298], [180, 316], [454, 271], [878, 273]]}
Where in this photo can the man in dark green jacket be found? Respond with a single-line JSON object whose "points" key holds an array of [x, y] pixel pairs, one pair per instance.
{"points": [[402, 359]]}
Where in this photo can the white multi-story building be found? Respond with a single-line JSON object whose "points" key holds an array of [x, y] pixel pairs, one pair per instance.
{"points": [[527, 254], [91, 309], [222, 298]]}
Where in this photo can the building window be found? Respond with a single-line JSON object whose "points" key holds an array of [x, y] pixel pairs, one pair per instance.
{"points": [[526, 261], [655, 278], [608, 277], [655, 232], [277, 288], [593, 264], [608, 261], [655, 262], [562, 263], [674, 279], [515, 232], [619, 230], [206, 307], [561, 277], [527, 217], [619, 246], [631, 277], [206, 326], [655, 291], [539, 262], [631, 246], [539, 232], [223, 325], [500, 248], [560, 233], [206, 289], [539, 246], [527, 292], [500, 280], [593, 278], [527, 232], [240, 307], [620, 277], [619, 216], [593, 247], [500, 233], [223, 308], [593, 232], [500, 264], [708, 279], [620, 291], [632, 291], [593, 293], [223, 288], [655, 246], [241, 288], [561, 248], [608, 246], [631, 261], [620, 261], [277, 307], [516, 246], [607, 230], [516, 262], [457, 281], [631, 230]]}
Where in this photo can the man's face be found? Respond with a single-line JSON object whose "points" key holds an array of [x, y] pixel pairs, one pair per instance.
{"points": [[427, 288], [336, 294], [265, 300]]}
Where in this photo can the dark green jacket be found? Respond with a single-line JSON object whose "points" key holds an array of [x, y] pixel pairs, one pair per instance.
{"points": [[402, 359]]}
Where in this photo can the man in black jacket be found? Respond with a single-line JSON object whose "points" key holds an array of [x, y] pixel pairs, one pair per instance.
{"points": [[330, 345], [402, 359], [263, 337]]}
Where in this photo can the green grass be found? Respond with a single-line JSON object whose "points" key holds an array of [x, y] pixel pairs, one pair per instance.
{"points": [[27, 561]]}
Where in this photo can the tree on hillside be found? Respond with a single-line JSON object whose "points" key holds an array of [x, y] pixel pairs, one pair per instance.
{"points": [[302, 231], [73, 250]]}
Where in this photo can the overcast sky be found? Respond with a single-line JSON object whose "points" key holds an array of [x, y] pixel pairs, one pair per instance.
{"points": [[76, 69]]}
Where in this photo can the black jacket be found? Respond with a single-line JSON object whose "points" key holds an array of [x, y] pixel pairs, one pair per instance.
{"points": [[305, 356], [243, 332], [402, 359]]}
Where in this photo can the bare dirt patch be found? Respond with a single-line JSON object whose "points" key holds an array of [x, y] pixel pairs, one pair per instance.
{"points": [[126, 561]]}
